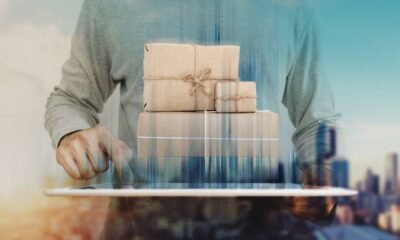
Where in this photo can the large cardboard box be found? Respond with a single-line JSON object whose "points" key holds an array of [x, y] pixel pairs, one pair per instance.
{"points": [[182, 77], [208, 146]]}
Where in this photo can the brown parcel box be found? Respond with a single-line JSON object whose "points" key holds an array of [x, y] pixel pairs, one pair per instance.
{"points": [[181, 77], [236, 97], [184, 134], [169, 143]]}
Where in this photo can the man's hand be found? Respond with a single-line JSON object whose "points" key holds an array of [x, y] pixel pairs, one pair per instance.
{"points": [[320, 210], [85, 153], [317, 209]]}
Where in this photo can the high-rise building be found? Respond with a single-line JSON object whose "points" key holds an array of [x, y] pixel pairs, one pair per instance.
{"points": [[359, 186], [340, 177], [391, 174], [372, 182], [375, 184], [340, 173], [325, 149]]}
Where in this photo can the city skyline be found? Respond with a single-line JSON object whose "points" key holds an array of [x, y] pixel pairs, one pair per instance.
{"points": [[376, 204], [361, 57]]}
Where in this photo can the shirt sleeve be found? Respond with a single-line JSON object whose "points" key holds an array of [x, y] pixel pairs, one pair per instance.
{"points": [[85, 84], [310, 106]]}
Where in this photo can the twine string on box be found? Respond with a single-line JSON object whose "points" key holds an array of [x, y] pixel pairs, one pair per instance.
{"points": [[236, 97], [197, 80]]}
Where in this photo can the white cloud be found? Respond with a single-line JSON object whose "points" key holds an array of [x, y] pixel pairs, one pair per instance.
{"points": [[3, 7], [30, 65], [367, 145], [377, 132], [32, 56], [34, 50]]}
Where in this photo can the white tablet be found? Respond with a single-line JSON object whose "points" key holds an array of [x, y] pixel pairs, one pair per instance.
{"points": [[202, 190]]}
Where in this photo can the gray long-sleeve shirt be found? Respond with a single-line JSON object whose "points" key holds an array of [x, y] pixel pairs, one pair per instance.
{"points": [[279, 51]]}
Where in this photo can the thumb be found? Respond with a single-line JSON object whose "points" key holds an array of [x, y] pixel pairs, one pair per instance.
{"points": [[119, 153]]}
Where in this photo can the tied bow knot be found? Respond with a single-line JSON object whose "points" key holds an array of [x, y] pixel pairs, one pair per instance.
{"points": [[198, 81]]}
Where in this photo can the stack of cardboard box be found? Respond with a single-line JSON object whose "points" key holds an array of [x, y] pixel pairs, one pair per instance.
{"points": [[200, 122]]}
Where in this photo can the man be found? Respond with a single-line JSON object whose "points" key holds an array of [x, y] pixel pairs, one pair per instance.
{"points": [[279, 50]]}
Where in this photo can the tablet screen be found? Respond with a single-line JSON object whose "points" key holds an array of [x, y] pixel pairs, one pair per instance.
{"points": [[197, 186]]}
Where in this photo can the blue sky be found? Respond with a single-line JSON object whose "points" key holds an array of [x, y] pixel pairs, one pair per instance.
{"points": [[360, 46], [360, 41], [362, 54]]}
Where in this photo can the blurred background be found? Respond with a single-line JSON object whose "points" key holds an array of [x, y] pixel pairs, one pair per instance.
{"points": [[361, 54]]}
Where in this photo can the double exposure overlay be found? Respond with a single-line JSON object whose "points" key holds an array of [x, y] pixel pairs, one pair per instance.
{"points": [[211, 94]]}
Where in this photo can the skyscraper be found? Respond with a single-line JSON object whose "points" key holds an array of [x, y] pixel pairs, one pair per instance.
{"points": [[391, 174], [372, 182], [340, 173], [340, 177]]}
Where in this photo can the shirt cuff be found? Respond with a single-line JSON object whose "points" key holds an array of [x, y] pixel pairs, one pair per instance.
{"points": [[62, 131]]}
